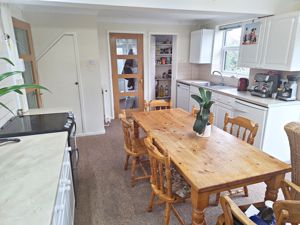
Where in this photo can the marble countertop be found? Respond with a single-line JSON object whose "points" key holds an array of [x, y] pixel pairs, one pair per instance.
{"points": [[245, 95], [29, 177], [47, 110]]}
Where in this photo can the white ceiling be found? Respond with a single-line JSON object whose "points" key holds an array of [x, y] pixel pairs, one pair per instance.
{"points": [[138, 15], [161, 11]]}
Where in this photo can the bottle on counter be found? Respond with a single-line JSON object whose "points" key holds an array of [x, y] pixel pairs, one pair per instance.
{"points": [[161, 91], [166, 91]]}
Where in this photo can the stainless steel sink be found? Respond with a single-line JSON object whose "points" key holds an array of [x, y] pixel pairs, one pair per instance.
{"points": [[219, 86]]}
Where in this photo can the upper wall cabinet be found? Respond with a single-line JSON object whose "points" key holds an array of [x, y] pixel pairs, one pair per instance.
{"points": [[276, 45], [201, 46], [251, 43], [282, 43]]}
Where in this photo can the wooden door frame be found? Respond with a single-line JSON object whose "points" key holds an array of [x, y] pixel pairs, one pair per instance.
{"points": [[140, 77], [174, 64], [31, 58]]}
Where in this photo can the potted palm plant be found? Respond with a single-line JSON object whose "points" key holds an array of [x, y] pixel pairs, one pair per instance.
{"points": [[202, 126], [14, 88]]}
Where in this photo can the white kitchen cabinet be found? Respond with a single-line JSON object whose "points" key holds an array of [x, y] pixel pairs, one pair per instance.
{"points": [[182, 96], [250, 54], [201, 46], [65, 199], [277, 46], [282, 43]]}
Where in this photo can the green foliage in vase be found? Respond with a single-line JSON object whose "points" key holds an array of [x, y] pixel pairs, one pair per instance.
{"points": [[14, 88], [205, 102]]}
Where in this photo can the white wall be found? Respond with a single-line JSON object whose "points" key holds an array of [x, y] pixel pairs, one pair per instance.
{"points": [[46, 28], [8, 49], [183, 32]]}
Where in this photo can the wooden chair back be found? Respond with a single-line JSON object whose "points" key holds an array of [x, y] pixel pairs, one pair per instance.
{"points": [[288, 210], [161, 177], [249, 127], [157, 105], [127, 131], [211, 115], [293, 132], [122, 114]]}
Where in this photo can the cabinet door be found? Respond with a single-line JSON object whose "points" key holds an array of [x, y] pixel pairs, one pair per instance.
{"points": [[201, 46], [183, 96], [221, 110], [279, 41], [251, 44]]}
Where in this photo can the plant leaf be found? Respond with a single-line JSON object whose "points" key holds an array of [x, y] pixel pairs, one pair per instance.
{"points": [[8, 74], [202, 93], [19, 92], [7, 60], [197, 98], [208, 95], [6, 90], [6, 108]]}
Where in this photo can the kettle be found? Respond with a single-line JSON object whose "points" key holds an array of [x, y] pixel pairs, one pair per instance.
{"points": [[243, 84]]}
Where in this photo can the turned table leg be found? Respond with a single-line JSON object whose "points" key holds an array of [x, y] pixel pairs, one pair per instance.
{"points": [[273, 186], [135, 129], [199, 203]]}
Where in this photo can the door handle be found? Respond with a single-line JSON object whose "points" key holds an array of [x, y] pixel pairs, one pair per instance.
{"points": [[76, 83], [141, 81]]}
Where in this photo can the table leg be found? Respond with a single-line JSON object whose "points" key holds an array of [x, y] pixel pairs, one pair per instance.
{"points": [[199, 203], [273, 186], [135, 129]]}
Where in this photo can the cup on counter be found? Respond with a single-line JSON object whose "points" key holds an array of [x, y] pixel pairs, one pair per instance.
{"points": [[274, 95]]}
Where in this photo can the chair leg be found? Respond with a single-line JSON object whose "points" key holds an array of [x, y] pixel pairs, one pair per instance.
{"points": [[126, 162], [150, 207], [167, 213], [217, 198], [177, 215], [133, 168], [246, 191]]}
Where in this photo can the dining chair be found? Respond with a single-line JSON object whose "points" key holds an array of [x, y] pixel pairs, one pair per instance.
{"points": [[157, 105], [285, 211], [166, 183], [135, 148], [250, 130], [211, 115], [293, 132]]}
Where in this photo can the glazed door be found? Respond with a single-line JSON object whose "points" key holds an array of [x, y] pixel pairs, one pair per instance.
{"points": [[26, 52], [127, 71]]}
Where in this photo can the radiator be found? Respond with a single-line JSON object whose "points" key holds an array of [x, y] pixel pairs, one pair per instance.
{"points": [[106, 109]]}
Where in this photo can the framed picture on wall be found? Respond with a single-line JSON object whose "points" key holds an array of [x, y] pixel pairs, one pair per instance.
{"points": [[251, 33]]}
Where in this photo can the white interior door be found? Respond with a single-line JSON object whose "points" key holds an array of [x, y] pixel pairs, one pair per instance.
{"points": [[58, 72]]}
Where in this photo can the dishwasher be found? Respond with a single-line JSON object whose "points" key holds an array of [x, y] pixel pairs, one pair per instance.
{"points": [[253, 112], [182, 96]]}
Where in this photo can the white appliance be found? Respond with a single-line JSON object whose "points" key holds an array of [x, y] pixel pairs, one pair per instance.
{"points": [[253, 112], [183, 92], [194, 89]]}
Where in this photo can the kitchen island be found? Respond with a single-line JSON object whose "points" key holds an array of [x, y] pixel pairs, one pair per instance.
{"points": [[30, 173]]}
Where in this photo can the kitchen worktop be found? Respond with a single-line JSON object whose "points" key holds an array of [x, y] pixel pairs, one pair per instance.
{"points": [[244, 95], [29, 177]]}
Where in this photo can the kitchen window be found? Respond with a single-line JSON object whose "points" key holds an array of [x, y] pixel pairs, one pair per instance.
{"points": [[230, 53]]}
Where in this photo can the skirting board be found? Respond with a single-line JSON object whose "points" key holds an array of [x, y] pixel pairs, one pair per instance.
{"points": [[91, 133]]}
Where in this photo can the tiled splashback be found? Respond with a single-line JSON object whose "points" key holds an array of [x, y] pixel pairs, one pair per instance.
{"points": [[203, 72]]}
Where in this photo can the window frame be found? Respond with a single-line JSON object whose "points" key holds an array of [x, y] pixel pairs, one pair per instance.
{"points": [[224, 49]]}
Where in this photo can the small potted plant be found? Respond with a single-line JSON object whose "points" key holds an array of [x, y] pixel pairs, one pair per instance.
{"points": [[202, 127]]}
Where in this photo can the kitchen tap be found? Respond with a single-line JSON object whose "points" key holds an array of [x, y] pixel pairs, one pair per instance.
{"points": [[216, 72]]}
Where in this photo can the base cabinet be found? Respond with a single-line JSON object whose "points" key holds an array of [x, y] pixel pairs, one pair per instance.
{"points": [[65, 200]]}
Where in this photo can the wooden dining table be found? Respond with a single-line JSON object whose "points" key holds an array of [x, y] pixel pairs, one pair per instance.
{"points": [[209, 165]]}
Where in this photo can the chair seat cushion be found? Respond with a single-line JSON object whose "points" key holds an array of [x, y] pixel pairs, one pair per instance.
{"points": [[179, 185]]}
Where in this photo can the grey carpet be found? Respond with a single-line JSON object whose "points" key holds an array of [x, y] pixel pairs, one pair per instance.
{"points": [[104, 193]]}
